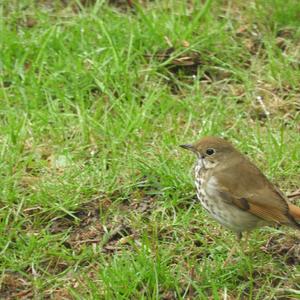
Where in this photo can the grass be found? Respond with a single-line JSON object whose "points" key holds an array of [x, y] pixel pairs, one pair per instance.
{"points": [[97, 199]]}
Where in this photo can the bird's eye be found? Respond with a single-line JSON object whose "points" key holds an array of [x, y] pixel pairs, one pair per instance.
{"points": [[210, 151]]}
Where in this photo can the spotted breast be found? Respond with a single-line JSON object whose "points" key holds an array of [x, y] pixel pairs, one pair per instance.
{"points": [[225, 213]]}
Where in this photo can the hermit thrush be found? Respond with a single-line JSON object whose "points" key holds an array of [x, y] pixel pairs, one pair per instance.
{"points": [[235, 192]]}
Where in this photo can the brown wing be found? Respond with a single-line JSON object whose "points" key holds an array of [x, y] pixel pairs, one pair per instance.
{"points": [[250, 190]]}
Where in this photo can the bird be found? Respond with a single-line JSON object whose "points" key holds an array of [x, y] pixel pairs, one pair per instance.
{"points": [[235, 192]]}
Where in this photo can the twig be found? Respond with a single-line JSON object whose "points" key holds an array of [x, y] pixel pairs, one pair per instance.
{"points": [[25, 294], [88, 241], [294, 194]]}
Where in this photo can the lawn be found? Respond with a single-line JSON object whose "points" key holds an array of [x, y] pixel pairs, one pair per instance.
{"points": [[97, 197]]}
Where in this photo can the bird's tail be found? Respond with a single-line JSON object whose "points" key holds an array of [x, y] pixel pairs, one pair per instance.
{"points": [[295, 213]]}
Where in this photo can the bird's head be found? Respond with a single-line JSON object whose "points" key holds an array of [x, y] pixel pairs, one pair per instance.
{"points": [[212, 150]]}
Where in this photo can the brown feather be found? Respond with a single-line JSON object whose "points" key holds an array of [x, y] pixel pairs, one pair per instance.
{"points": [[272, 215], [294, 211], [250, 188]]}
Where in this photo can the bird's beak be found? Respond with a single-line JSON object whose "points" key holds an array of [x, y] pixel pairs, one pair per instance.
{"points": [[187, 147]]}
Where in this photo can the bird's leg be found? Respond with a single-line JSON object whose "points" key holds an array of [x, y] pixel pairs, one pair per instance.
{"points": [[233, 249], [239, 236]]}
